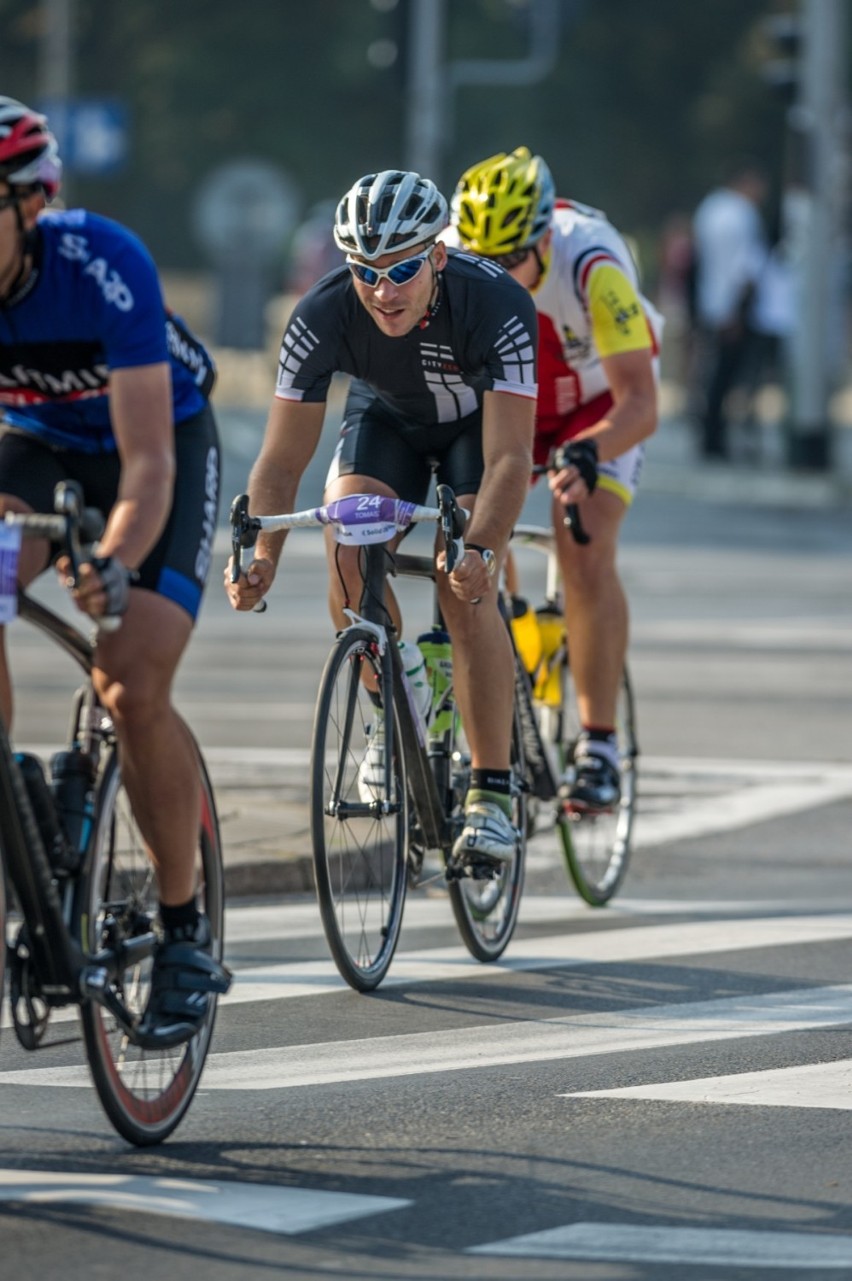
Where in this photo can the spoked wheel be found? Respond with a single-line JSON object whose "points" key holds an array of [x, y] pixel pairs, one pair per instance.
{"points": [[359, 815], [597, 846], [145, 1093], [486, 908]]}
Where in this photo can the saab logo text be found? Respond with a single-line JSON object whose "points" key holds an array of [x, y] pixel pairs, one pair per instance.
{"points": [[110, 283]]}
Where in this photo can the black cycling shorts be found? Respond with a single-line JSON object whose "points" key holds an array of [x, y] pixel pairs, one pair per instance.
{"points": [[177, 567], [376, 442]]}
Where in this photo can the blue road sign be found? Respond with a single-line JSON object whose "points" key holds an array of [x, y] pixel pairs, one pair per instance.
{"points": [[92, 133]]}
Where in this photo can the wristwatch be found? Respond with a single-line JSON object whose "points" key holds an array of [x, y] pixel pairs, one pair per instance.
{"points": [[489, 559]]}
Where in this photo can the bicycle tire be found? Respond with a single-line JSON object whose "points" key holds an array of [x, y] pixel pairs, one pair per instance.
{"points": [[145, 1093], [597, 847], [360, 859], [486, 912], [3, 933]]}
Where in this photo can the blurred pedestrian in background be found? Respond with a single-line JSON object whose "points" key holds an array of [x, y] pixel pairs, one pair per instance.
{"points": [[730, 254]]}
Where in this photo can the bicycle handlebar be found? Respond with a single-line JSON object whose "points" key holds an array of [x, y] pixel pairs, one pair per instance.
{"points": [[360, 518], [72, 528]]}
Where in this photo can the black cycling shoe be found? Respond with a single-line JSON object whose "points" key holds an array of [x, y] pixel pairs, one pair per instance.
{"points": [[184, 975], [597, 783]]}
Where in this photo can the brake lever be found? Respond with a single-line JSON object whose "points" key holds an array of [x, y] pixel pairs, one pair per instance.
{"points": [[572, 520], [244, 532], [453, 520]]}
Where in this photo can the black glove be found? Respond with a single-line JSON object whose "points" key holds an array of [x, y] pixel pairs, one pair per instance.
{"points": [[582, 454], [115, 581]]}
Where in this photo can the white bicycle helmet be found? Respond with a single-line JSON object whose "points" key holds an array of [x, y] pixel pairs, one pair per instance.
{"points": [[29, 155], [388, 211]]}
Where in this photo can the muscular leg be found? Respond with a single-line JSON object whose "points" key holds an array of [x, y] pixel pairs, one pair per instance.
{"points": [[135, 667], [483, 674], [595, 606], [345, 561]]}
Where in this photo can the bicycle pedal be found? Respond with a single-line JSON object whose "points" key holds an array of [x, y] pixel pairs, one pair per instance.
{"points": [[482, 869]]}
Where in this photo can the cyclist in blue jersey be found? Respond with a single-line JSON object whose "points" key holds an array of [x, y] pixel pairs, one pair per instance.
{"points": [[441, 349], [100, 385]]}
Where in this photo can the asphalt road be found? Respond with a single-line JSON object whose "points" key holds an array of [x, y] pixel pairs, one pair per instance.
{"points": [[659, 1090]]}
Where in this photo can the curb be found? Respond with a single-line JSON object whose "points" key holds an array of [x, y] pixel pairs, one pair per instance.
{"points": [[272, 876]]}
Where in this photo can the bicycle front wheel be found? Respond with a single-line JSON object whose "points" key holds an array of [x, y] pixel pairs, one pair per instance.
{"points": [[486, 911], [145, 1093], [597, 846], [359, 813]]}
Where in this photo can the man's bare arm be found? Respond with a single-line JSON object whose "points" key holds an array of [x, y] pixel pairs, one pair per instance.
{"points": [[507, 432]]}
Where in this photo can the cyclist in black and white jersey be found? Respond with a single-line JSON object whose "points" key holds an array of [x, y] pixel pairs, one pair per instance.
{"points": [[441, 349]]}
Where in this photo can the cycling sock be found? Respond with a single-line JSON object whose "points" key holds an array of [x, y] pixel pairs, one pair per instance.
{"points": [[598, 741], [180, 921], [494, 785]]}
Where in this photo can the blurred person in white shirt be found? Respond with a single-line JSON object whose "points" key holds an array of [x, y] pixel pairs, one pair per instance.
{"points": [[731, 252]]}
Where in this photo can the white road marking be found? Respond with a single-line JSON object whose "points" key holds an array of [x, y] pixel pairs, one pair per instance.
{"points": [[810, 1085], [461, 1049], [734, 793], [761, 791], [261, 1206], [713, 1247], [317, 978], [454, 963]]}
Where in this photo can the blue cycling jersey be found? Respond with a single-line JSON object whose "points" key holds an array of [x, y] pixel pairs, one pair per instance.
{"points": [[92, 304]]}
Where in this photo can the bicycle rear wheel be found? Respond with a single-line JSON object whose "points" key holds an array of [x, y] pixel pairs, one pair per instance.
{"points": [[596, 847], [486, 911], [145, 1093], [359, 816]]}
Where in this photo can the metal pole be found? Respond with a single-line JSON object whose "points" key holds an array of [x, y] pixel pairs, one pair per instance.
{"points": [[424, 133], [55, 71], [819, 116]]}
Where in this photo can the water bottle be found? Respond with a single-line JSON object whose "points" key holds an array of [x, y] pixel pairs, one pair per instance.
{"points": [[44, 809], [72, 776], [548, 685], [527, 634], [414, 667], [438, 655]]}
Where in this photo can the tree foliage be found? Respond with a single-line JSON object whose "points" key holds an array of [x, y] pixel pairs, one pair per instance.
{"points": [[644, 104]]}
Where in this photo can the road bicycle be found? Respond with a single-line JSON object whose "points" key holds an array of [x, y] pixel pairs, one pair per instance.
{"points": [[370, 843], [85, 928], [596, 844]]}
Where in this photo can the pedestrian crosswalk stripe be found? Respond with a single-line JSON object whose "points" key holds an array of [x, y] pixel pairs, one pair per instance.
{"points": [[807, 1085], [263, 1207], [496, 1045], [803, 1252]]}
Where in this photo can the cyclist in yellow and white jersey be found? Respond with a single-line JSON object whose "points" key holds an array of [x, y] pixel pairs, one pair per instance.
{"points": [[597, 399]]}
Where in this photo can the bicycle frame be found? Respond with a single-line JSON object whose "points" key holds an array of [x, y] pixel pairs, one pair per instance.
{"points": [[67, 974], [378, 561]]}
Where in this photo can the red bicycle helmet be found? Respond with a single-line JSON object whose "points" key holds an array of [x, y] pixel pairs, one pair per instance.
{"points": [[29, 155]]}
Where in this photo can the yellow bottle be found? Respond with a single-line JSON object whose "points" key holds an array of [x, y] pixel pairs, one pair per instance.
{"points": [[548, 679], [525, 630]]}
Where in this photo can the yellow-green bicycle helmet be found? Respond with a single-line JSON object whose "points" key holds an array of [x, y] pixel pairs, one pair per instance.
{"points": [[503, 204]]}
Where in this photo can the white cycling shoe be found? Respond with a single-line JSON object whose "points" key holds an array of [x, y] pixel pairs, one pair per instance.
{"points": [[487, 833], [371, 771]]}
